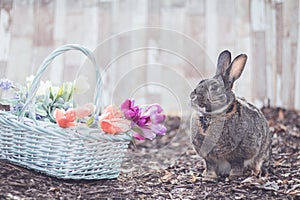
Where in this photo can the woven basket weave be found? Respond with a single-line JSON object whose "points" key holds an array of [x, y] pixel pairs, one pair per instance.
{"points": [[71, 153]]}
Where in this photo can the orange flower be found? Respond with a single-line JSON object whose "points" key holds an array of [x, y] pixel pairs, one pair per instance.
{"points": [[113, 121], [65, 118]]}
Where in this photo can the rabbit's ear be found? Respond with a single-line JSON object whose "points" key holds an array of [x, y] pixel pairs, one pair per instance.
{"points": [[223, 62], [234, 71]]}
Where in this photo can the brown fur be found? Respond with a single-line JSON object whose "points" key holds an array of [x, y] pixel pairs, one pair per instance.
{"points": [[230, 134]]}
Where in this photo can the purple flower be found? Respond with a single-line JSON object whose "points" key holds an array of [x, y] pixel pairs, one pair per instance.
{"points": [[151, 132], [17, 107], [96, 118], [5, 84], [144, 121], [39, 117], [151, 122], [130, 111], [147, 122], [154, 112], [17, 96]]}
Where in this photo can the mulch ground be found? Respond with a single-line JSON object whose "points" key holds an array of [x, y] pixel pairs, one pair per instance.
{"points": [[168, 168]]}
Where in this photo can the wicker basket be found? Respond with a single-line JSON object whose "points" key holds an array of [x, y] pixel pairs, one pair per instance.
{"points": [[70, 153]]}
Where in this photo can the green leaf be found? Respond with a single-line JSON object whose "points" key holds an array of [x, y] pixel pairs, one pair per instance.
{"points": [[47, 98], [51, 96], [90, 121], [40, 110], [67, 91], [138, 130], [59, 93], [50, 114], [133, 142], [57, 105]]}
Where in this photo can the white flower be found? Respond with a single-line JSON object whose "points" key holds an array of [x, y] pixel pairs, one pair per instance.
{"points": [[81, 85], [43, 88], [29, 80], [54, 90]]}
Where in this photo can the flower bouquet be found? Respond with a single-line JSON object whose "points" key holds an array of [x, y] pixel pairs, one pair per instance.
{"points": [[42, 128]]}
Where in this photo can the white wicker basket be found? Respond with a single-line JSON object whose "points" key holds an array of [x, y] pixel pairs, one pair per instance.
{"points": [[69, 153]]}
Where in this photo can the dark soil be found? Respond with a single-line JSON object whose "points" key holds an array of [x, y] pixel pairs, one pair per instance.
{"points": [[168, 168]]}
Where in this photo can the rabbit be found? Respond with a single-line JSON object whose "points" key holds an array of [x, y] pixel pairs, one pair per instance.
{"points": [[230, 134]]}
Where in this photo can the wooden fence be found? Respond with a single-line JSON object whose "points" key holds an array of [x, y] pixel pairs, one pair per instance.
{"points": [[162, 63]]}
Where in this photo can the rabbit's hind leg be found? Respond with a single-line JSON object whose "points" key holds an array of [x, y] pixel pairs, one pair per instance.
{"points": [[237, 168], [224, 168], [210, 172]]}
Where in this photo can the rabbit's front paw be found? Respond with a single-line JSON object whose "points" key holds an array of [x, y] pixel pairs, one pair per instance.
{"points": [[209, 175], [259, 169]]}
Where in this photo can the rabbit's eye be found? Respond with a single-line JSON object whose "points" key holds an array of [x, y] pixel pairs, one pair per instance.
{"points": [[200, 87], [214, 87]]}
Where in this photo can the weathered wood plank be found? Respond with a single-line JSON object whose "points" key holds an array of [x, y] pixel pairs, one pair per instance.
{"points": [[242, 27], [259, 69], [195, 28], [211, 32], [297, 74], [290, 36], [279, 48], [271, 58], [43, 24], [5, 30], [59, 35], [74, 34], [258, 47], [21, 44]]}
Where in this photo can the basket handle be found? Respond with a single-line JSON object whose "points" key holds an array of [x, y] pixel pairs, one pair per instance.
{"points": [[36, 81]]}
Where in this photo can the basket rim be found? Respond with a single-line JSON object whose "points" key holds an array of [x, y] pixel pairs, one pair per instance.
{"points": [[79, 132]]}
